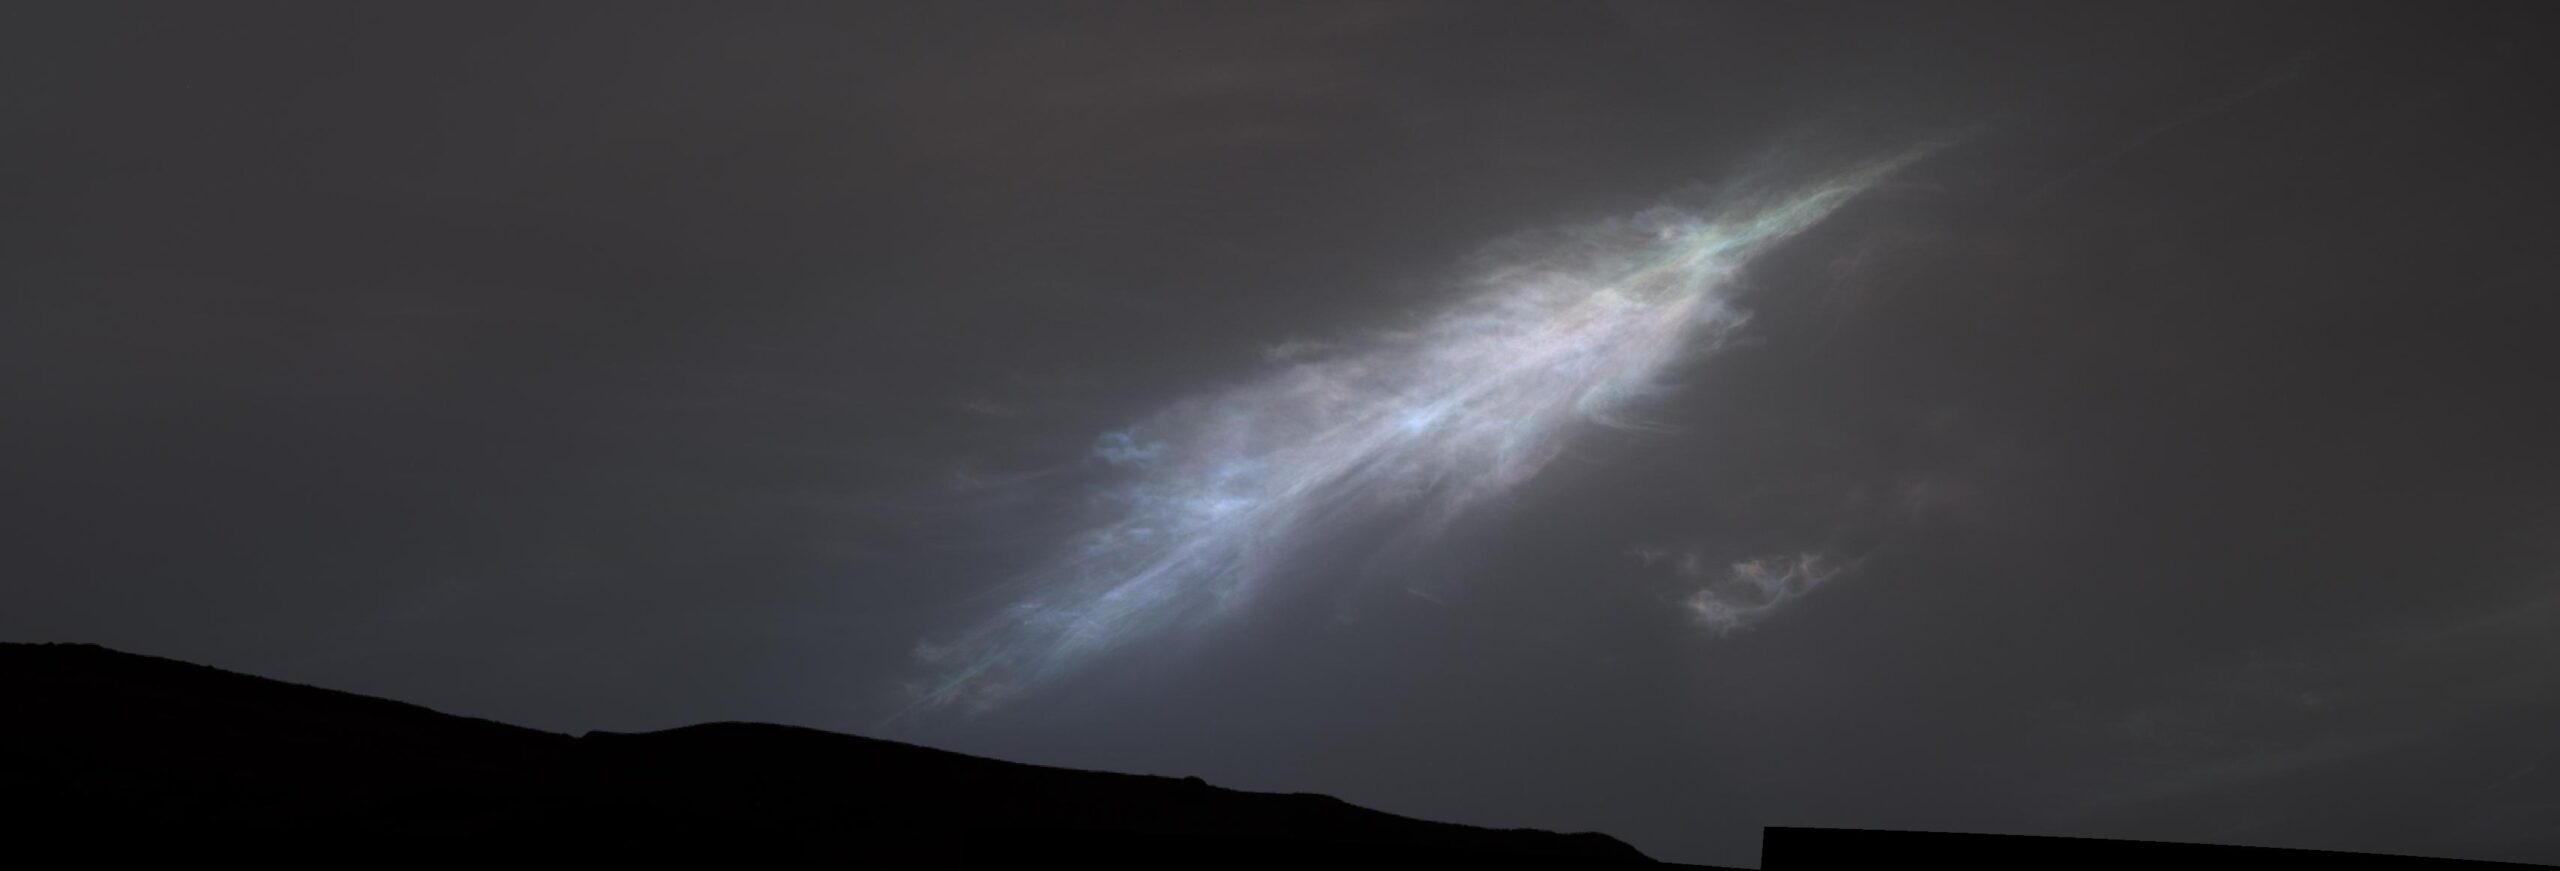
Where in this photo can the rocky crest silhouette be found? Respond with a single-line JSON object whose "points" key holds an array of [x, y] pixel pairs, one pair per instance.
{"points": [[120, 751]]}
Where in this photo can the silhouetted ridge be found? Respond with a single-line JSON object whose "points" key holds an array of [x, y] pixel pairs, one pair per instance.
{"points": [[110, 744]]}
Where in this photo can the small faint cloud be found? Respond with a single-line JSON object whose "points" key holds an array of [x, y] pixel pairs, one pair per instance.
{"points": [[1123, 448], [1294, 349], [1735, 596], [1753, 589]]}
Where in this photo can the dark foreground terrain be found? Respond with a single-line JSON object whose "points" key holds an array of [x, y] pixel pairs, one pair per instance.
{"points": [[111, 752], [106, 755]]}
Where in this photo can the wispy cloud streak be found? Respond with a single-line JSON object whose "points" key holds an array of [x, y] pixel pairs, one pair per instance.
{"points": [[1401, 434]]}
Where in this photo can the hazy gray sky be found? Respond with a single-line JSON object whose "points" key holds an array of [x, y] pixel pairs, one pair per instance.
{"points": [[2175, 446]]}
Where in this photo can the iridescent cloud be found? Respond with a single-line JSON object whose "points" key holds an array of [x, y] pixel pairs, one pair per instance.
{"points": [[1400, 434]]}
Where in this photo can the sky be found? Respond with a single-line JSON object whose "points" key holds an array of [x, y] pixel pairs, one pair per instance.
{"points": [[2147, 436]]}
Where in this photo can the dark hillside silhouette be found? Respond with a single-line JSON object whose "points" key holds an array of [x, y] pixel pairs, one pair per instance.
{"points": [[119, 751]]}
